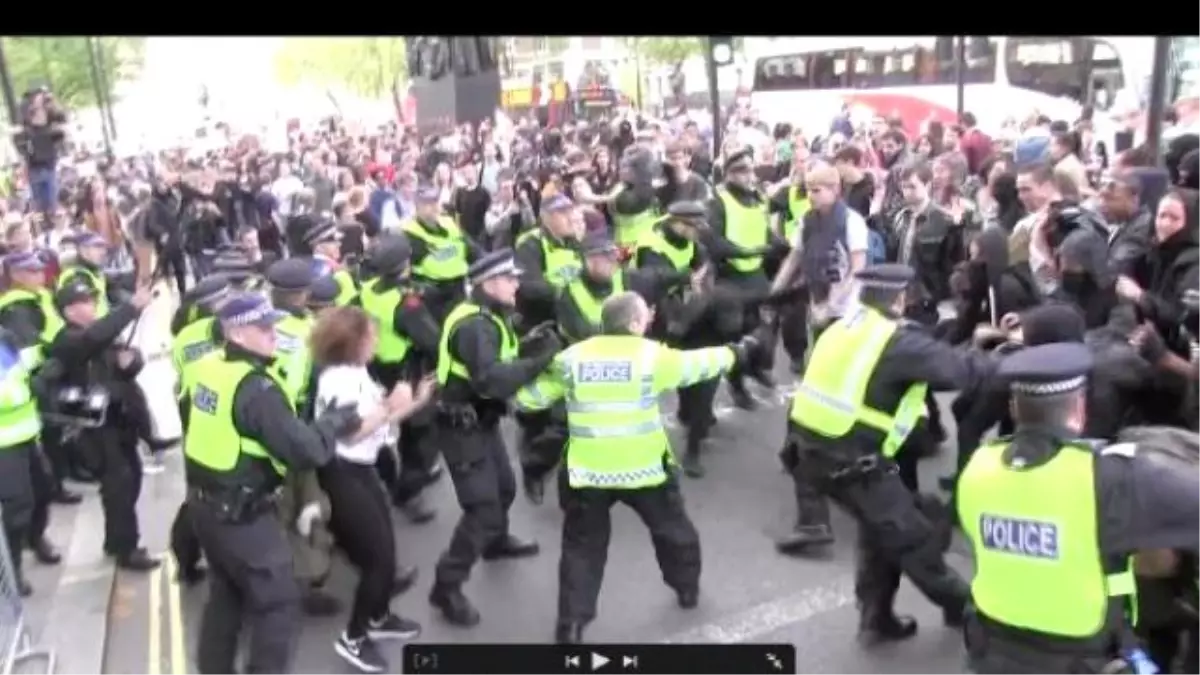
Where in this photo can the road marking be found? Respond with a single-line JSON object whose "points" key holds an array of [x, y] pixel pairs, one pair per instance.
{"points": [[769, 617], [175, 619], [154, 641]]}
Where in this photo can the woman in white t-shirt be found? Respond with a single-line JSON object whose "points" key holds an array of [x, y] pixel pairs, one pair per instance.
{"points": [[343, 341]]}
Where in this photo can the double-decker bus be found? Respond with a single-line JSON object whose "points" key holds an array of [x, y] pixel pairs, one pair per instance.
{"points": [[808, 81]]}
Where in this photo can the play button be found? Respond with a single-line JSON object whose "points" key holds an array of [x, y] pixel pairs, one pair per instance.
{"points": [[598, 661]]}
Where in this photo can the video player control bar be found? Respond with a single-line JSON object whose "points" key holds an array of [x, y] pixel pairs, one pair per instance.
{"points": [[503, 659]]}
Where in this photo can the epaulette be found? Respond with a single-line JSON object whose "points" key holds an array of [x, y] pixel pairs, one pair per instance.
{"points": [[1121, 449]]}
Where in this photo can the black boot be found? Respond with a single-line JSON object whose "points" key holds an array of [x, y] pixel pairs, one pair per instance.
{"points": [[45, 553], [511, 547], [741, 396], [138, 560], [569, 633], [455, 606], [66, 497], [804, 538], [417, 511], [879, 627], [687, 598], [191, 575], [534, 488], [692, 467]]}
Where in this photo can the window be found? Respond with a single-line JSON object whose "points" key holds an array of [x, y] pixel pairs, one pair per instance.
{"points": [[782, 73], [1051, 65]]}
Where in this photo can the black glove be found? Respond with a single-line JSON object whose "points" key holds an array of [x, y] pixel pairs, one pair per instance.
{"points": [[745, 351], [1150, 344], [338, 422], [541, 342]]}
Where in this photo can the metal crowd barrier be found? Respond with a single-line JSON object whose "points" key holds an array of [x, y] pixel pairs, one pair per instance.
{"points": [[15, 640]]}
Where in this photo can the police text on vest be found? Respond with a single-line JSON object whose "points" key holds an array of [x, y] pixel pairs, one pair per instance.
{"points": [[603, 372], [1029, 538]]}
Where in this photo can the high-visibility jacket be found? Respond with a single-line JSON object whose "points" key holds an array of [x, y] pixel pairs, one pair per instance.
{"points": [[52, 323], [347, 289], [211, 439], [293, 358], [562, 264], [19, 418], [588, 306], [391, 347], [1038, 561], [832, 397], [448, 364], [680, 257], [611, 386], [628, 229], [797, 206], [193, 342], [746, 226], [447, 257], [96, 280]]}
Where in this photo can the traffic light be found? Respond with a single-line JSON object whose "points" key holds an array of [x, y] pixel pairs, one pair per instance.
{"points": [[721, 50]]}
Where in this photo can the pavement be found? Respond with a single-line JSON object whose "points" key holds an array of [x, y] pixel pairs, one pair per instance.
{"points": [[147, 623]]}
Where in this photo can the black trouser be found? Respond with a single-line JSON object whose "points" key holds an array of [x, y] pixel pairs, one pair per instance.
{"points": [[184, 544], [543, 441], [994, 649], [115, 450], [793, 331], [696, 411], [587, 527], [174, 262], [41, 478], [251, 581], [59, 454], [894, 538], [485, 487], [361, 520], [16, 495]]}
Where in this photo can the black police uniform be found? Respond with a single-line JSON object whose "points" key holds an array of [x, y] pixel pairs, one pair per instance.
{"points": [[1146, 500], [537, 296], [16, 475], [440, 296], [320, 233], [468, 431], [252, 583], [88, 357], [412, 319], [895, 536], [191, 305]]}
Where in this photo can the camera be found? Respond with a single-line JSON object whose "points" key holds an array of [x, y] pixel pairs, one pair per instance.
{"points": [[77, 407]]}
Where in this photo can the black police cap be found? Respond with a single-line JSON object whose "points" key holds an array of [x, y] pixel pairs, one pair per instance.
{"points": [[1047, 370], [497, 263], [320, 232], [323, 291], [293, 274], [390, 253], [74, 292], [885, 276], [740, 159], [688, 210], [209, 290]]}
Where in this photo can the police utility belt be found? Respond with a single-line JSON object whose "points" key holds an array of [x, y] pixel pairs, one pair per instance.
{"points": [[234, 505], [466, 417], [861, 468], [77, 407]]}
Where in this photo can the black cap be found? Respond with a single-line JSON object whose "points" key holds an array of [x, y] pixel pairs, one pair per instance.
{"points": [[742, 159], [598, 242], [391, 253], [234, 263], [293, 274], [209, 291], [886, 276], [249, 309], [1047, 370], [77, 291], [321, 232], [687, 210], [497, 263], [323, 291]]}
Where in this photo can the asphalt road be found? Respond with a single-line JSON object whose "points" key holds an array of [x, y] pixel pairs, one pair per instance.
{"points": [[750, 594]]}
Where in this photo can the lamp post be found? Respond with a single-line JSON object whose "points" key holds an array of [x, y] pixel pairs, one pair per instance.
{"points": [[720, 53]]}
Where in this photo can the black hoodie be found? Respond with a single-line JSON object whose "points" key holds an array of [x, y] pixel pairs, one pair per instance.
{"points": [[993, 287], [1174, 268]]}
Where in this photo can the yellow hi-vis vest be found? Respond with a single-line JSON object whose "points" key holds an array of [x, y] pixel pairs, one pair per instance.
{"points": [[19, 418], [680, 258], [1038, 562], [347, 290], [193, 342], [447, 364], [52, 323], [211, 439], [561, 264], [96, 280], [628, 229], [293, 359], [447, 257], [797, 206], [831, 399], [586, 304], [746, 226], [617, 440], [391, 347]]}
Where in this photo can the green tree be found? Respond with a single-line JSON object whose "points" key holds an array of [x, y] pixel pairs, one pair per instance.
{"points": [[370, 67], [669, 50], [64, 64]]}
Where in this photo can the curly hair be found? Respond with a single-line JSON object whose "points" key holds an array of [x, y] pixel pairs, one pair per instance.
{"points": [[338, 336]]}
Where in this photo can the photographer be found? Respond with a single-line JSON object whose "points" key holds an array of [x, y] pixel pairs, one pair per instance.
{"points": [[88, 359], [40, 141]]}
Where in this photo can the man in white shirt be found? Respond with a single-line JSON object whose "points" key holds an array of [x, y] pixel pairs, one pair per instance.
{"points": [[284, 189]]}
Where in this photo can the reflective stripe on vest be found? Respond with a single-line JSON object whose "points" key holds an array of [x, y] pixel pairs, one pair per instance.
{"points": [[1038, 562], [293, 362], [447, 256], [19, 418], [347, 291], [629, 229], [830, 399], [447, 364], [211, 440], [797, 207], [586, 304], [747, 227], [611, 396], [193, 342], [95, 280], [680, 258], [390, 347], [560, 264], [52, 323]]}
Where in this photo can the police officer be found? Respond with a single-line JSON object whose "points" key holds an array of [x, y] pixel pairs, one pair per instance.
{"points": [[89, 357], [549, 260], [1053, 519], [289, 281], [242, 436], [441, 253], [324, 238], [20, 425], [618, 451], [323, 294], [737, 213], [862, 395], [478, 370], [406, 350], [242, 272], [90, 252], [635, 207]]}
